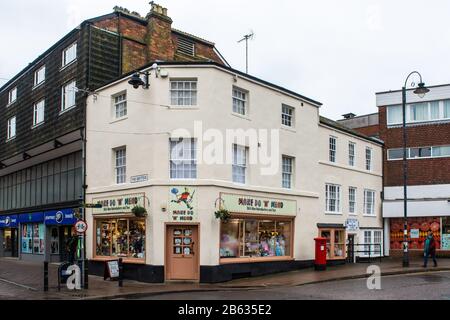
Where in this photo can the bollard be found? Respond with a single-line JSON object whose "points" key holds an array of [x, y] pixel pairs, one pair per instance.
{"points": [[45, 276], [120, 272], [86, 275]]}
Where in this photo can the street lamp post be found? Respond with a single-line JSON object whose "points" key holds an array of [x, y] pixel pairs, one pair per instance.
{"points": [[421, 90]]}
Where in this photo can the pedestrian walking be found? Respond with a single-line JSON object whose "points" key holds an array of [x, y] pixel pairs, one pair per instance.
{"points": [[429, 249]]}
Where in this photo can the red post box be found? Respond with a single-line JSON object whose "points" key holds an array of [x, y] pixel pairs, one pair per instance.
{"points": [[320, 262]]}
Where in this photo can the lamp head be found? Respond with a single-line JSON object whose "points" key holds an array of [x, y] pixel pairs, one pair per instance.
{"points": [[136, 81], [421, 90]]}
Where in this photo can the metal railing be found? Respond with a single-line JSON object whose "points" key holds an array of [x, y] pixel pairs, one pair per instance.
{"points": [[369, 251]]}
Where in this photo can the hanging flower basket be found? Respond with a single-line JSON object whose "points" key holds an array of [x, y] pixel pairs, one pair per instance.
{"points": [[223, 215], [139, 211]]}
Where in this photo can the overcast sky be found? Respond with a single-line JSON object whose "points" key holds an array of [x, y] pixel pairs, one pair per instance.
{"points": [[337, 52]]}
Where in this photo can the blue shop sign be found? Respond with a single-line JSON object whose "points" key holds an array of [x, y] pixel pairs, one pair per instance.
{"points": [[60, 217], [8, 221], [31, 217]]}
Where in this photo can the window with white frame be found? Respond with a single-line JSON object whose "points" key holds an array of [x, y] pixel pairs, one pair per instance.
{"points": [[287, 171], [39, 76], [368, 158], [394, 115], [420, 152], [287, 116], [351, 154], [369, 202], [121, 165], [240, 101], [68, 93], [372, 243], [332, 149], [332, 198], [11, 128], [120, 105], [239, 163], [352, 200], [12, 95], [38, 112], [183, 92], [183, 158], [69, 54], [446, 109], [419, 112]]}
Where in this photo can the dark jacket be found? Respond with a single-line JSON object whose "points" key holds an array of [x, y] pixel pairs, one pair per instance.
{"points": [[432, 246]]}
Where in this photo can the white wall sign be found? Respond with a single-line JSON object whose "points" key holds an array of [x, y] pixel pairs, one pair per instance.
{"points": [[352, 224], [415, 233], [140, 178]]}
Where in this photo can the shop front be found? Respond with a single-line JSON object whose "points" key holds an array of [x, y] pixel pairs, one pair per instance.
{"points": [[257, 239], [59, 227], [45, 235], [417, 232], [9, 236], [119, 233], [336, 241]]}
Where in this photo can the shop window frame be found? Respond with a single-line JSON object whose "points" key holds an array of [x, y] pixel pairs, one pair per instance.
{"points": [[290, 257], [128, 258]]}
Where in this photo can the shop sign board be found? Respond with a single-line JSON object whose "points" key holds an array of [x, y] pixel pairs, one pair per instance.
{"points": [[111, 270], [31, 217], [119, 204], [352, 224], [182, 204], [59, 217], [8, 221], [258, 205]]}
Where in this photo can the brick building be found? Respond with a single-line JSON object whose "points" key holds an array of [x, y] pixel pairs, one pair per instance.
{"points": [[42, 121], [428, 143]]}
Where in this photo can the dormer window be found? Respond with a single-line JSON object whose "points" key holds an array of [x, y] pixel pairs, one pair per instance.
{"points": [[186, 46]]}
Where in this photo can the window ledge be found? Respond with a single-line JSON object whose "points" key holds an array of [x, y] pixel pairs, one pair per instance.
{"points": [[369, 215], [255, 259], [67, 110], [37, 125], [172, 107], [333, 213], [241, 116], [11, 103], [36, 86], [119, 119], [10, 139], [287, 128], [68, 65]]}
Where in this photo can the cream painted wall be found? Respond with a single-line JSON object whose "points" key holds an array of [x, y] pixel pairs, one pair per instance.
{"points": [[146, 130]]}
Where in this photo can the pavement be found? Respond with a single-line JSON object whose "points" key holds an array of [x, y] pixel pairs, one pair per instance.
{"points": [[24, 280]]}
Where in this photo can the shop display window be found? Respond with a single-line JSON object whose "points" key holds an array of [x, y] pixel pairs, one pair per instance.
{"points": [[250, 238], [445, 241], [335, 243], [417, 232], [122, 238], [54, 241], [33, 238]]}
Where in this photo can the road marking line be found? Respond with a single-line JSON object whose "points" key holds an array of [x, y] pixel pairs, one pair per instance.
{"points": [[19, 285]]}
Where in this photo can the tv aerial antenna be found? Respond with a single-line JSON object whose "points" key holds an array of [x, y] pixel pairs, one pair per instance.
{"points": [[249, 36]]}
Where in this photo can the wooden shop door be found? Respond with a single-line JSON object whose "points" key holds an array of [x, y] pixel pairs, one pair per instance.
{"points": [[182, 254]]}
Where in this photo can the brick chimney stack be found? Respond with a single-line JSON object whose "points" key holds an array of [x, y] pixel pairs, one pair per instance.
{"points": [[159, 34]]}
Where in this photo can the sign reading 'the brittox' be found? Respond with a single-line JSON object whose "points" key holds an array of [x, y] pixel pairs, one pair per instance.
{"points": [[119, 204], [249, 204]]}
